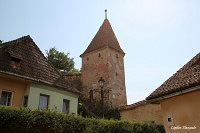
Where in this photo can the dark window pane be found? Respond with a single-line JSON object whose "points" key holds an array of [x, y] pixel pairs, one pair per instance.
{"points": [[3, 98], [25, 101], [43, 104], [66, 106], [6, 98]]}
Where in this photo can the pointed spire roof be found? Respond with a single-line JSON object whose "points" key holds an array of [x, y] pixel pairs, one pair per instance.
{"points": [[104, 37]]}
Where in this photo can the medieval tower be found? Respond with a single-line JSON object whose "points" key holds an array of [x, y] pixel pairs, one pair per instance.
{"points": [[104, 58]]}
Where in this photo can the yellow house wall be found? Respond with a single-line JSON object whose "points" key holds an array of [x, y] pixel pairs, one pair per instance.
{"points": [[185, 110], [15, 85], [148, 112]]}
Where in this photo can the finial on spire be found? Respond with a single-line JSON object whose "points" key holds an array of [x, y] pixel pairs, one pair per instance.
{"points": [[105, 13]]}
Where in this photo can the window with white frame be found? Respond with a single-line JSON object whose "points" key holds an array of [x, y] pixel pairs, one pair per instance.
{"points": [[65, 106], [6, 98]]}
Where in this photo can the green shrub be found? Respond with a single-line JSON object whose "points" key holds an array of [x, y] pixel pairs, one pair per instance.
{"points": [[98, 111], [46, 121]]}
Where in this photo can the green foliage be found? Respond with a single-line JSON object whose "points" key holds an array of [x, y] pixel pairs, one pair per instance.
{"points": [[112, 114], [98, 111], [45, 121], [75, 71], [61, 61], [84, 111]]}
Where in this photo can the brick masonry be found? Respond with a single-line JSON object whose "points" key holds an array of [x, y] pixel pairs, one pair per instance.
{"points": [[109, 64]]}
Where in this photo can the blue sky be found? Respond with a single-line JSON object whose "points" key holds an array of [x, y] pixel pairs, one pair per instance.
{"points": [[158, 36]]}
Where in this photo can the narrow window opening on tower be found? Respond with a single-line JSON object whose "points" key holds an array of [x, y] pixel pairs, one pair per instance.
{"points": [[87, 58], [116, 74], [117, 56], [99, 55], [91, 95]]}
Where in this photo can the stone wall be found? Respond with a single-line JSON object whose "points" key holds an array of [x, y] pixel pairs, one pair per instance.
{"points": [[109, 64], [73, 76], [75, 80], [146, 112], [116, 78]]}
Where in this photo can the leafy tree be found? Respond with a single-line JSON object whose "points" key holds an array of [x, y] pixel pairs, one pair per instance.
{"points": [[61, 61]]}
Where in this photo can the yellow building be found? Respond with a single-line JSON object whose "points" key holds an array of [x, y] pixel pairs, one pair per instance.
{"points": [[179, 98]]}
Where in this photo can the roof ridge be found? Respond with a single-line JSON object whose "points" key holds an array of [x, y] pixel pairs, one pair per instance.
{"points": [[18, 39], [4, 44], [191, 62], [176, 79], [186, 66], [51, 65]]}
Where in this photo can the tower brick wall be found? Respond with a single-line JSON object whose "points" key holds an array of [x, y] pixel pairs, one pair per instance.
{"points": [[109, 64], [104, 58], [116, 78]]}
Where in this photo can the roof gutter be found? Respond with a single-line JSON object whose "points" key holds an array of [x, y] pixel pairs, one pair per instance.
{"points": [[17, 75], [32, 79], [181, 92]]}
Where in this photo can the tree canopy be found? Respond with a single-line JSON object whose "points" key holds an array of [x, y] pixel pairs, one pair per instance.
{"points": [[61, 61]]}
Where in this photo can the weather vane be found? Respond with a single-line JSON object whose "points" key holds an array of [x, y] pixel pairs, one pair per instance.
{"points": [[106, 13]]}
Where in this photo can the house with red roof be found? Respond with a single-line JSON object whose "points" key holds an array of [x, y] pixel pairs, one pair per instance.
{"points": [[179, 98], [27, 79]]}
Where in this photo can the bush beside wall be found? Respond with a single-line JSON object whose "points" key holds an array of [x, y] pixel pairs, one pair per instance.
{"points": [[45, 121]]}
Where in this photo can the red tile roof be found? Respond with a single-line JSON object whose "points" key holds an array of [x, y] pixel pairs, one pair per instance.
{"points": [[135, 105], [104, 37], [188, 76], [32, 65]]}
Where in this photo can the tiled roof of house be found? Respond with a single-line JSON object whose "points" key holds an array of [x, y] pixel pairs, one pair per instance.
{"points": [[104, 37], [134, 105], [30, 63], [188, 76]]}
